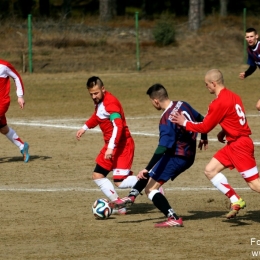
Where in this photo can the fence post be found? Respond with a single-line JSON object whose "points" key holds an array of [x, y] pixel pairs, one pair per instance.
{"points": [[30, 42], [245, 45], [137, 42]]}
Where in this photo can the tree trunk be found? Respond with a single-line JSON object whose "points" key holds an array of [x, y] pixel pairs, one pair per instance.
{"points": [[120, 7], [202, 10], [107, 9], [66, 8], [194, 15], [44, 7], [223, 8]]}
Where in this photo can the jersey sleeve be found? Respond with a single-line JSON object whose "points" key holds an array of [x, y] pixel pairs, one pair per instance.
{"points": [[92, 122], [167, 135], [212, 118], [117, 132], [11, 72]]}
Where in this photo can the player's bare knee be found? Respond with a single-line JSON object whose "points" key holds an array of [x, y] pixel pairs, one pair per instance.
{"points": [[255, 186], [207, 173], [117, 184]]}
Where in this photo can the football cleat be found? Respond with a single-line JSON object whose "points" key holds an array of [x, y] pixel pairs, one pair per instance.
{"points": [[170, 222], [25, 152], [121, 211], [235, 207], [121, 203]]}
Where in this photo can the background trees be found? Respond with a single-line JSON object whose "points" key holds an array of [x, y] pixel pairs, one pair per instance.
{"points": [[107, 9]]}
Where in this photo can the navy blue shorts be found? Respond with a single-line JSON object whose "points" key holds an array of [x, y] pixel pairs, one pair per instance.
{"points": [[169, 167]]}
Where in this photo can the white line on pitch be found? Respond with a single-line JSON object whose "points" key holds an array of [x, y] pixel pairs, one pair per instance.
{"points": [[93, 130], [78, 189]]}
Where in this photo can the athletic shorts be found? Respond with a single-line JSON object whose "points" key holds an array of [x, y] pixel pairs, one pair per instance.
{"points": [[3, 110], [239, 154], [121, 161], [169, 167]]}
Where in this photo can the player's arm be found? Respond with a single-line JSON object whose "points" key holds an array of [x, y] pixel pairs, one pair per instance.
{"points": [[117, 123], [250, 71], [203, 136], [11, 72], [90, 123], [159, 152], [210, 121], [200, 118]]}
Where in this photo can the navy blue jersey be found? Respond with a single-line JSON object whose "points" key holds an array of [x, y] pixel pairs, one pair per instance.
{"points": [[177, 140], [254, 55]]}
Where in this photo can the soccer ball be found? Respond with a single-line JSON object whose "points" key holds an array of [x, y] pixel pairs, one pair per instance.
{"points": [[101, 209]]}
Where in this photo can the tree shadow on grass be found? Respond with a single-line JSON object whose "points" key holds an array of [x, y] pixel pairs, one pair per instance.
{"points": [[20, 158]]}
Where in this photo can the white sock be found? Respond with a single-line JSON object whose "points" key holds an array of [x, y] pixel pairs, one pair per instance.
{"points": [[221, 183], [218, 181], [14, 138], [129, 182], [107, 188]]}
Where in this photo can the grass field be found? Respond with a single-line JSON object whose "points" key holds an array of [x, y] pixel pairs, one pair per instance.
{"points": [[46, 204]]}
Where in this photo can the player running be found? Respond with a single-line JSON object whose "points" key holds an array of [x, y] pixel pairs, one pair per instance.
{"points": [[174, 155], [6, 71], [227, 110]]}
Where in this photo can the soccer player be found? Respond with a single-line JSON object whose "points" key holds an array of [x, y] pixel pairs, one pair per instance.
{"points": [[7, 71], [118, 151], [175, 154], [253, 59], [227, 110]]}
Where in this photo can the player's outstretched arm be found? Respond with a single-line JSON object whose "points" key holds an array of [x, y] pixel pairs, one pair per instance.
{"points": [[178, 118]]}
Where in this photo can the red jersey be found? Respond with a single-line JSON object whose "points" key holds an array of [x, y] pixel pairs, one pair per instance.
{"points": [[115, 131], [7, 71], [227, 110]]}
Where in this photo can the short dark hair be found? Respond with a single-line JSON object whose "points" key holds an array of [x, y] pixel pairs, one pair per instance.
{"points": [[93, 81], [157, 91], [251, 29]]}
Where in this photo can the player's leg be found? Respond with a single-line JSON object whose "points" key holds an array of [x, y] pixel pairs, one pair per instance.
{"points": [[218, 179], [245, 163], [130, 199], [13, 137], [254, 185], [160, 202], [99, 176], [122, 163], [167, 168]]}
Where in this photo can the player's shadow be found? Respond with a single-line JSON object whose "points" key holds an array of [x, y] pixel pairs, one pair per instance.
{"points": [[203, 215], [20, 159], [240, 220], [250, 216], [141, 208]]}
